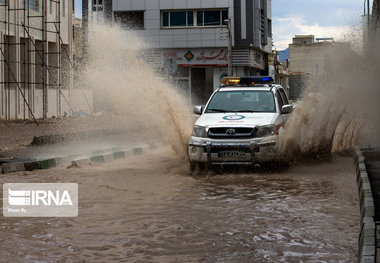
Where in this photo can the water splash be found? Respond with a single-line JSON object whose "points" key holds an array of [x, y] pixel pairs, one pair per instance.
{"points": [[339, 109], [125, 85]]}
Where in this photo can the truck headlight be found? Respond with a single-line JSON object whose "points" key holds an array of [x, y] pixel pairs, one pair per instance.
{"points": [[266, 130], [199, 131]]}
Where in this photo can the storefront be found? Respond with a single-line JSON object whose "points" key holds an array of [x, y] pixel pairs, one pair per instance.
{"points": [[196, 72]]}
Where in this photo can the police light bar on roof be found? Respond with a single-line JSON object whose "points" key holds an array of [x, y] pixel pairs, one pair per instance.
{"points": [[234, 80], [256, 80]]}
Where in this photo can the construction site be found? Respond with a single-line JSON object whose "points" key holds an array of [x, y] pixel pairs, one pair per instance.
{"points": [[36, 59]]}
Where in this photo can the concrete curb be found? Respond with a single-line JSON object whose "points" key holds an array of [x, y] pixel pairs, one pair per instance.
{"points": [[367, 238], [76, 136], [101, 156]]}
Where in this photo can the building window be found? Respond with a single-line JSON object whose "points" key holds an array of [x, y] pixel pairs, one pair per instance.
{"points": [[165, 19], [51, 7], [190, 18], [203, 18], [269, 27], [211, 18], [262, 21], [264, 40], [97, 5], [200, 18], [177, 19], [30, 4], [131, 20], [2, 2]]}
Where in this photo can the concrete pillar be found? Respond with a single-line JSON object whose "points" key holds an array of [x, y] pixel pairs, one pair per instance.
{"points": [[6, 78], [53, 77], [23, 74], [46, 50], [190, 89], [15, 60], [71, 14], [32, 74], [1, 76], [2, 79], [39, 75], [58, 59]]}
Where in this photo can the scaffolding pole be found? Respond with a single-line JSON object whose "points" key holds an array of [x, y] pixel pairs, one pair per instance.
{"points": [[20, 74]]}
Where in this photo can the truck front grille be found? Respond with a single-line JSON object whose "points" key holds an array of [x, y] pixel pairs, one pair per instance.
{"points": [[232, 133]]}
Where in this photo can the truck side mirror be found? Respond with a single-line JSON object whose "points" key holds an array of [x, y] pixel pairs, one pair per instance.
{"points": [[198, 110], [286, 109]]}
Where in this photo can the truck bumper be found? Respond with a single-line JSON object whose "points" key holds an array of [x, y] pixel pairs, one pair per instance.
{"points": [[233, 152]]}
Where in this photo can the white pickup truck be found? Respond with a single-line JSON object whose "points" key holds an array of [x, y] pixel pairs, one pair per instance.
{"points": [[240, 123]]}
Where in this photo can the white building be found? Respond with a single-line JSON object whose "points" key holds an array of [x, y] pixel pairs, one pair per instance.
{"points": [[35, 58], [189, 38]]}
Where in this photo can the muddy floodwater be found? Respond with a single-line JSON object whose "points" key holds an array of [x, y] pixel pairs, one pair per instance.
{"points": [[149, 209]]}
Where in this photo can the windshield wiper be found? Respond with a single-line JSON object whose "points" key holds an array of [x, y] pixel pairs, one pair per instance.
{"points": [[221, 110], [218, 110], [248, 111]]}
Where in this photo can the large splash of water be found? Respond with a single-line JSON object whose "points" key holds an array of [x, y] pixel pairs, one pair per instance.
{"points": [[339, 109], [126, 86]]}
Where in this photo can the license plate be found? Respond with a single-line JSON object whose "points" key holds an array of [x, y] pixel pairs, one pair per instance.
{"points": [[231, 154]]}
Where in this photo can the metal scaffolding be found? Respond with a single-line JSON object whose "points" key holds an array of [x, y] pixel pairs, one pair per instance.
{"points": [[31, 56]]}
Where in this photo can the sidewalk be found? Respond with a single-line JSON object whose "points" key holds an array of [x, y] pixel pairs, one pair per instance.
{"points": [[368, 178], [76, 158], [16, 136], [67, 140]]}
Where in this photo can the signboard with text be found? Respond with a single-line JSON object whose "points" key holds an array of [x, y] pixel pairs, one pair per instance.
{"points": [[198, 57]]}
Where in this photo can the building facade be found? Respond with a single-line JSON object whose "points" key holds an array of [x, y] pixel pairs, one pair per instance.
{"points": [[35, 58], [188, 39], [279, 71], [310, 57]]}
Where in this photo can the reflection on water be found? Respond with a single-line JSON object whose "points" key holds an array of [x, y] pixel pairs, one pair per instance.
{"points": [[160, 214]]}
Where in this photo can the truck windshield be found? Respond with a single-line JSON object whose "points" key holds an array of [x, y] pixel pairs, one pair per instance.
{"points": [[242, 101]]}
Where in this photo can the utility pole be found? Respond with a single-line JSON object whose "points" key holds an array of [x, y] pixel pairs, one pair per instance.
{"points": [[369, 19], [228, 23], [376, 23], [376, 13], [373, 26]]}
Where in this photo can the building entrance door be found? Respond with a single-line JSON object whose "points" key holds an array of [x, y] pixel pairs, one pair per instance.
{"points": [[201, 85]]}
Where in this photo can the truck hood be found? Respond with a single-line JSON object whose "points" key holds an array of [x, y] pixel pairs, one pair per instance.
{"points": [[235, 120]]}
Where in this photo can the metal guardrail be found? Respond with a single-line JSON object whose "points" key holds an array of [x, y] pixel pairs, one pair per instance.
{"points": [[367, 237]]}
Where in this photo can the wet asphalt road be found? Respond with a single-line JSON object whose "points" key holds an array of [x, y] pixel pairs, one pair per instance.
{"points": [[150, 209]]}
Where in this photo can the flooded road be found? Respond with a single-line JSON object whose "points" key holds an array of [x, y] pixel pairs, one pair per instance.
{"points": [[149, 209]]}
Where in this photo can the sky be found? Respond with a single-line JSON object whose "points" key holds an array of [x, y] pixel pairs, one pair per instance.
{"points": [[322, 18], [78, 8]]}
